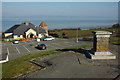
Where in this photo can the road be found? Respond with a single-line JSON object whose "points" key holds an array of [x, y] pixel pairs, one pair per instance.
{"points": [[29, 47]]}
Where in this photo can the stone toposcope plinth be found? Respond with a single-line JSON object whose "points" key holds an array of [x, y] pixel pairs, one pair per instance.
{"points": [[100, 45]]}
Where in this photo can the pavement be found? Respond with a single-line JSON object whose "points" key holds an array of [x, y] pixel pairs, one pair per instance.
{"points": [[29, 47], [73, 64]]}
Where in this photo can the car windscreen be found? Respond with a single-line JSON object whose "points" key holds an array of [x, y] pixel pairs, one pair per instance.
{"points": [[42, 44]]}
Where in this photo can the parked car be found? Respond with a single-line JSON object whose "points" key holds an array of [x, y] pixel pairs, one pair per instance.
{"points": [[42, 46], [15, 42], [38, 40], [48, 38]]}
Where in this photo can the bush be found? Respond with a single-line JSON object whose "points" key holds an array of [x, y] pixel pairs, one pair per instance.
{"points": [[10, 40]]}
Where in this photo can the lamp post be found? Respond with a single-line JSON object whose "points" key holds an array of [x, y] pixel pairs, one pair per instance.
{"points": [[77, 36], [38, 40]]}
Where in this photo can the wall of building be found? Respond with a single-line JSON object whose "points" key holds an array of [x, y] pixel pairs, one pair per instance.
{"points": [[7, 34], [46, 34], [40, 36], [21, 36], [15, 37], [30, 31]]}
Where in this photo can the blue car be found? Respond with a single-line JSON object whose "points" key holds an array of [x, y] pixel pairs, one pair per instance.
{"points": [[42, 46]]}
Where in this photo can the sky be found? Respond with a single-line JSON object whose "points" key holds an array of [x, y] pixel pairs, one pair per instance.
{"points": [[98, 9], [16, 10], [59, 0]]}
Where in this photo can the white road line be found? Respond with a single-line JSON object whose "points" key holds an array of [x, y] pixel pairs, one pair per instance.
{"points": [[17, 50], [26, 49], [8, 51]]}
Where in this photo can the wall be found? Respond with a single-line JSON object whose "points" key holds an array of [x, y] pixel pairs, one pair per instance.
{"points": [[8, 34], [15, 37], [40, 36], [30, 31]]}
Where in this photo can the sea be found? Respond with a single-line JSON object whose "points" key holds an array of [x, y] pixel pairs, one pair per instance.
{"points": [[61, 22]]}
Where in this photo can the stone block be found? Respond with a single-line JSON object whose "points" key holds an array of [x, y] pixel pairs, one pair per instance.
{"points": [[100, 45], [103, 56]]}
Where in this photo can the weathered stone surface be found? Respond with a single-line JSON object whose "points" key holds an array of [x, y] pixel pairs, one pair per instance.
{"points": [[100, 45]]}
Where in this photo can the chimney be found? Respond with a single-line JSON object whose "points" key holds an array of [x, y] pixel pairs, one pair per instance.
{"points": [[26, 23]]}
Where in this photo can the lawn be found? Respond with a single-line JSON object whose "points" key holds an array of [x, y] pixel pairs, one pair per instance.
{"points": [[21, 65]]}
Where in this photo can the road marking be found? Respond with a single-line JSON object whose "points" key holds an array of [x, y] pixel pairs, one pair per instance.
{"points": [[8, 51], [17, 50], [26, 49]]}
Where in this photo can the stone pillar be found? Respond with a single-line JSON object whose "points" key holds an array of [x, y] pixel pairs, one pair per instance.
{"points": [[100, 45]]}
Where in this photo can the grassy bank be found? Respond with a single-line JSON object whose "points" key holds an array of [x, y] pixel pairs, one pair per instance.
{"points": [[115, 40], [81, 33], [21, 65]]}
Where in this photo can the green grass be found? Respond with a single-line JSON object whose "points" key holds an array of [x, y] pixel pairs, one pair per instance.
{"points": [[115, 40], [22, 65], [81, 33]]}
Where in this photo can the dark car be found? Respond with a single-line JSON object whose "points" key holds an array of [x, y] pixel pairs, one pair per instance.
{"points": [[41, 46]]}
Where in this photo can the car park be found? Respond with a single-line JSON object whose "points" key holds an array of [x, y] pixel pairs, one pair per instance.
{"points": [[15, 41], [47, 38], [42, 46]]}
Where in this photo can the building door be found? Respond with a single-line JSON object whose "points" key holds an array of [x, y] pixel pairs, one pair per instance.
{"points": [[31, 35]]}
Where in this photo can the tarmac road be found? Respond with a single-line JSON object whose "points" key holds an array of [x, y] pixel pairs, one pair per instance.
{"points": [[28, 47], [66, 65]]}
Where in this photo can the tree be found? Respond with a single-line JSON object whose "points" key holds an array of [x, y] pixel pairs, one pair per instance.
{"points": [[116, 26]]}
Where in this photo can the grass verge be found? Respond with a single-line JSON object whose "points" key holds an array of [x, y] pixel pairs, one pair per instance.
{"points": [[21, 65], [115, 40]]}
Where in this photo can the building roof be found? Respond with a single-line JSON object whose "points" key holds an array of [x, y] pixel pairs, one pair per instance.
{"points": [[22, 28], [11, 29], [43, 24], [40, 30], [8, 37]]}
